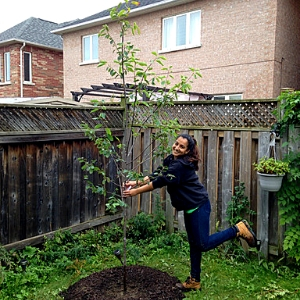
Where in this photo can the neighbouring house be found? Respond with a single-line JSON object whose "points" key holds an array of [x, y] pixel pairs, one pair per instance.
{"points": [[244, 49], [31, 60]]}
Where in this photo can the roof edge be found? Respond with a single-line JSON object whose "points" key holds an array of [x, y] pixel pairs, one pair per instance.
{"points": [[134, 12], [11, 41]]}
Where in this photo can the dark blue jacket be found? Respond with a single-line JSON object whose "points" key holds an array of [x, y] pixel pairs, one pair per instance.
{"points": [[182, 183]]}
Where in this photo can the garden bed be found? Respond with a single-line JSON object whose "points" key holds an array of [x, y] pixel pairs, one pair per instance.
{"points": [[141, 283]]}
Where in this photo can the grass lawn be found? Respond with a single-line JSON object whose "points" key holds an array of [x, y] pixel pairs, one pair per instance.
{"points": [[66, 259], [221, 278], [229, 279]]}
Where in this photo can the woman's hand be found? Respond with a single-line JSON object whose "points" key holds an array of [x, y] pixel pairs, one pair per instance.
{"points": [[130, 189], [129, 184], [129, 192]]}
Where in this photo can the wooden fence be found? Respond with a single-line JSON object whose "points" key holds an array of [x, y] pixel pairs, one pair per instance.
{"points": [[227, 158], [43, 188]]}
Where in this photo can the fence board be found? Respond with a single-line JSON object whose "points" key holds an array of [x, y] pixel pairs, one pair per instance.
{"points": [[227, 174], [212, 176], [254, 182], [31, 189], [136, 163], [88, 213], [4, 221], [95, 198], [47, 190], [22, 190], [263, 200], [127, 165], [246, 163], [158, 195], [83, 194], [198, 135], [77, 181], [146, 160], [220, 160], [14, 193], [64, 177]]}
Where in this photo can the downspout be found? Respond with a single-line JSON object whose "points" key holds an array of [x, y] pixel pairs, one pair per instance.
{"points": [[21, 69]]}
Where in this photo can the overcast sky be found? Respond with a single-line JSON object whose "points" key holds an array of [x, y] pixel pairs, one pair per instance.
{"points": [[58, 11]]}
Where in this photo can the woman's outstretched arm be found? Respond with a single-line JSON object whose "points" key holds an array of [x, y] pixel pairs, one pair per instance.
{"points": [[139, 190], [134, 183]]}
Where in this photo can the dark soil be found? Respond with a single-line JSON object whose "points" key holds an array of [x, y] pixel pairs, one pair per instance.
{"points": [[141, 283]]}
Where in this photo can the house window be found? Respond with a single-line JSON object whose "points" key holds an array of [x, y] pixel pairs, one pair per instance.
{"points": [[90, 48], [228, 97], [6, 66], [181, 31], [27, 67], [1, 68]]}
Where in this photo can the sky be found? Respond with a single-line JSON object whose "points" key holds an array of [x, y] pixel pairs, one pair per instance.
{"points": [[58, 11]]}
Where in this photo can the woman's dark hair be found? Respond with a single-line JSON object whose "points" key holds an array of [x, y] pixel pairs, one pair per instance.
{"points": [[194, 153]]}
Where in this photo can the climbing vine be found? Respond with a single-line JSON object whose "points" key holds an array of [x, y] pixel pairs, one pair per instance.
{"points": [[239, 206], [289, 195]]}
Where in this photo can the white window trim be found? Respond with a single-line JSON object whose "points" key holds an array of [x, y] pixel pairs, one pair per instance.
{"points": [[227, 96], [30, 68], [181, 47], [90, 61]]}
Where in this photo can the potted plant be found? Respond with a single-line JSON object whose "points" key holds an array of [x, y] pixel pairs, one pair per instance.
{"points": [[270, 173]]}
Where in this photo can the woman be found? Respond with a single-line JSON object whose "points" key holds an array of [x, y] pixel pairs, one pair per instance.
{"points": [[188, 194]]}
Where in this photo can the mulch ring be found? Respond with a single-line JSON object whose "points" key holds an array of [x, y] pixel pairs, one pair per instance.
{"points": [[141, 283]]}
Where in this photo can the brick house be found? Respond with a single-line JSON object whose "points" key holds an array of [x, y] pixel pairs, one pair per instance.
{"points": [[31, 60], [244, 49]]}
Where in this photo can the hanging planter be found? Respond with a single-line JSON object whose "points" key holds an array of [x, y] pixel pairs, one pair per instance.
{"points": [[270, 173], [270, 182]]}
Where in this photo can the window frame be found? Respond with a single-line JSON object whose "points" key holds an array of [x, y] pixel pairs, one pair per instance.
{"points": [[93, 53], [171, 44], [1, 69], [7, 69], [29, 68], [228, 97]]}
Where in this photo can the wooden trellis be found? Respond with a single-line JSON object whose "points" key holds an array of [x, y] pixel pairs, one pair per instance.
{"points": [[244, 114]]}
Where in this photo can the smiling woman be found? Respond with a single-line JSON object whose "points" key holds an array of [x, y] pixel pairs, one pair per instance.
{"points": [[187, 193], [180, 147]]}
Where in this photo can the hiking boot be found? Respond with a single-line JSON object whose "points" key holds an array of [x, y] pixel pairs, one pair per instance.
{"points": [[246, 233], [189, 284]]}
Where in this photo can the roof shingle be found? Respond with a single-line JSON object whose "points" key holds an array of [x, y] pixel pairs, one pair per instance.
{"points": [[105, 13], [36, 31]]}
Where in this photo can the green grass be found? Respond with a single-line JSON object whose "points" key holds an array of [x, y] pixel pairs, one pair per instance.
{"points": [[221, 279], [223, 276], [226, 279]]}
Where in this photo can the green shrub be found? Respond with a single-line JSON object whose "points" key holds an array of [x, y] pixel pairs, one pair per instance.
{"points": [[141, 227], [239, 206]]}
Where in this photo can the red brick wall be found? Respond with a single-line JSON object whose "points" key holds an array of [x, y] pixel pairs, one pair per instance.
{"points": [[239, 51], [47, 73], [12, 89]]}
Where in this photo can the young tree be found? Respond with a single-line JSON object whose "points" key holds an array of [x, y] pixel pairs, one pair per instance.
{"points": [[135, 77]]}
